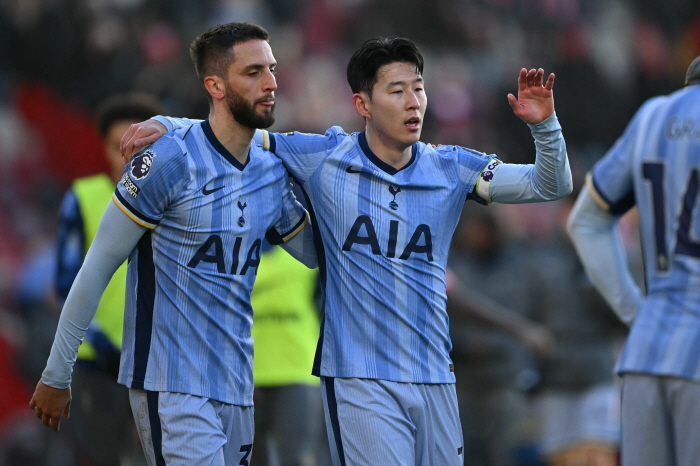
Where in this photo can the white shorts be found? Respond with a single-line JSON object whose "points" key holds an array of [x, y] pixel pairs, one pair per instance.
{"points": [[180, 429], [389, 423]]}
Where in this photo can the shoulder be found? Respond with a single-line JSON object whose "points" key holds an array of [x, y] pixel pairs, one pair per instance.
{"points": [[455, 154]]}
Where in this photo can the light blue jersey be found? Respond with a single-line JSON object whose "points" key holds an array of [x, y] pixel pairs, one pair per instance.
{"points": [[385, 236], [188, 315], [655, 165]]}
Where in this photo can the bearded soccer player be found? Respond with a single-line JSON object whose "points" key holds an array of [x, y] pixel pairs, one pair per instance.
{"points": [[190, 213], [386, 206], [655, 166]]}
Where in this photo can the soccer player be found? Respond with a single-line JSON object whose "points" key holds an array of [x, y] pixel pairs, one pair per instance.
{"points": [[386, 206], [655, 166], [95, 373], [190, 212]]}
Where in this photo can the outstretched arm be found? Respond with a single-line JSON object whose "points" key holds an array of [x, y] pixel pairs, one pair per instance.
{"points": [[116, 237], [550, 177], [597, 239]]}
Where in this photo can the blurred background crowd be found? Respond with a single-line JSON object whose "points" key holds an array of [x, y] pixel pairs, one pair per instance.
{"points": [[60, 58]]}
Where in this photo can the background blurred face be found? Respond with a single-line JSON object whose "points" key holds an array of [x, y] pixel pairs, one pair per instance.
{"points": [[251, 84], [111, 141], [398, 104]]}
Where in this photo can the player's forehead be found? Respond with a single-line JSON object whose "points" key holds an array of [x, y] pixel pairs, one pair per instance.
{"points": [[398, 73], [253, 53]]}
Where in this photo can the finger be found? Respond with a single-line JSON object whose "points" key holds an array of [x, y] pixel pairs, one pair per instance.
{"points": [[531, 77], [125, 139], [39, 413], [538, 77], [513, 102], [522, 79], [46, 420], [55, 423], [66, 412], [32, 403], [550, 82]]}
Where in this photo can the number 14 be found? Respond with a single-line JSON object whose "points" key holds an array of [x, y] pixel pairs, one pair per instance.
{"points": [[654, 172]]}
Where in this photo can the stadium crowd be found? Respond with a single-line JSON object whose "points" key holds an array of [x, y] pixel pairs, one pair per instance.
{"points": [[60, 58]]}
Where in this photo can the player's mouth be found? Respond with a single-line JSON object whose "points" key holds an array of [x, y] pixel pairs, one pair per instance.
{"points": [[267, 102], [413, 124]]}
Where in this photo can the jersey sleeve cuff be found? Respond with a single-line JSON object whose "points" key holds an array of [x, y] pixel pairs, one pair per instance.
{"points": [[132, 213]]}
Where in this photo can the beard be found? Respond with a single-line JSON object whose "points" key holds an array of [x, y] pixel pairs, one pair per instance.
{"points": [[243, 111]]}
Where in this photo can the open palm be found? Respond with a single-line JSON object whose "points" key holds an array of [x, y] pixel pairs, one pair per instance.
{"points": [[535, 102]]}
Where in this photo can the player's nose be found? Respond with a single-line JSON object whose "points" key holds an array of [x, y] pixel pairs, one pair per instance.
{"points": [[269, 83], [412, 101]]}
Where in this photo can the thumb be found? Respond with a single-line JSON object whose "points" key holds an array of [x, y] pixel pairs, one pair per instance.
{"points": [[513, 102]]}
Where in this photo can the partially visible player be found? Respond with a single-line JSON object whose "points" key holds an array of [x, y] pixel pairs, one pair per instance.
{"points": [[655, 165], [190, 212], [386, 206], [97, 367]]}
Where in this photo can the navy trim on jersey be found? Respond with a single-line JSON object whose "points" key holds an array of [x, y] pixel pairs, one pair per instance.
{"points": [[209, 133], [333, 413], [618, 207], [136, 213], [362, 139], [273, 143], [156, 432], [145, 298]]}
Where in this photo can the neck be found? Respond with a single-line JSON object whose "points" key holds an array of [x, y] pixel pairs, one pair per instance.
{"points": [[232, 135], [389, 152]]}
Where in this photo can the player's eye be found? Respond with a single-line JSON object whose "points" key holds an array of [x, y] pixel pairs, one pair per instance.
{"points": [[253, 73], [273, 70], [398, 92], [419, 89]]}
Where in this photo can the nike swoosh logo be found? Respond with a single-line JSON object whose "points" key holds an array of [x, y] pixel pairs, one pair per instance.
{"points": [[350, 169], [206, 191]]}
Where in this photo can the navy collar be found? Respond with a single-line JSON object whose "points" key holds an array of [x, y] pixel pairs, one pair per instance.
{"points": [[362, 139], [206, 127]]}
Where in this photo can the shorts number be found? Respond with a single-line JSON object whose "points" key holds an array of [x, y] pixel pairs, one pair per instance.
{"points": [[245, 449]]}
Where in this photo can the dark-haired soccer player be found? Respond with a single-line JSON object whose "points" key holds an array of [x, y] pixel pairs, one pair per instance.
{"points": [[190, 212], [386, 206], [655, 165]]}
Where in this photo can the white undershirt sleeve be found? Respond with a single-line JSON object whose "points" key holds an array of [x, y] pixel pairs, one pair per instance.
{"points": [[597, 239], [116, 237], [548, 179]]}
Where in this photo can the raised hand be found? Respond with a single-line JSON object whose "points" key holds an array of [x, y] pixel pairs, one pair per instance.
{"points": [[50, 404], [535, 102], [140, 135]]}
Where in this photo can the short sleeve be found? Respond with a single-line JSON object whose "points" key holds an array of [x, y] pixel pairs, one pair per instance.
{"points": [[475, 168], [151, 182], [293, 218], [303, 153], [611, 181]]}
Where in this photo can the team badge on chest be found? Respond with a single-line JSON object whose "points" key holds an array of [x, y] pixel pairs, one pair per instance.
{"points": [[241, 219], [394, 191]]}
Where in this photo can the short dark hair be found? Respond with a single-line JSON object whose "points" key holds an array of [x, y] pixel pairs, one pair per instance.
{"points": [[692, 76], [211, 51], [136, 106], [375, 53]]}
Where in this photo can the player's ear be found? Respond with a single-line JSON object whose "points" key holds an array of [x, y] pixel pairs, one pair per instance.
{"points": [[215, 87], [360, 101]]}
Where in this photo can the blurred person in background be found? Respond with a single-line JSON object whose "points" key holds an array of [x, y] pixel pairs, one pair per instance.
{"points": [[577, 402], [655, 165], [495, 362], [99, 396], [288, 405]]}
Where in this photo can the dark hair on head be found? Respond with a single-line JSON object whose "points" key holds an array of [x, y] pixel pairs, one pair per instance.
{"points": [[211, 51], [692, 76], [375, 53], [135, 106]]}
